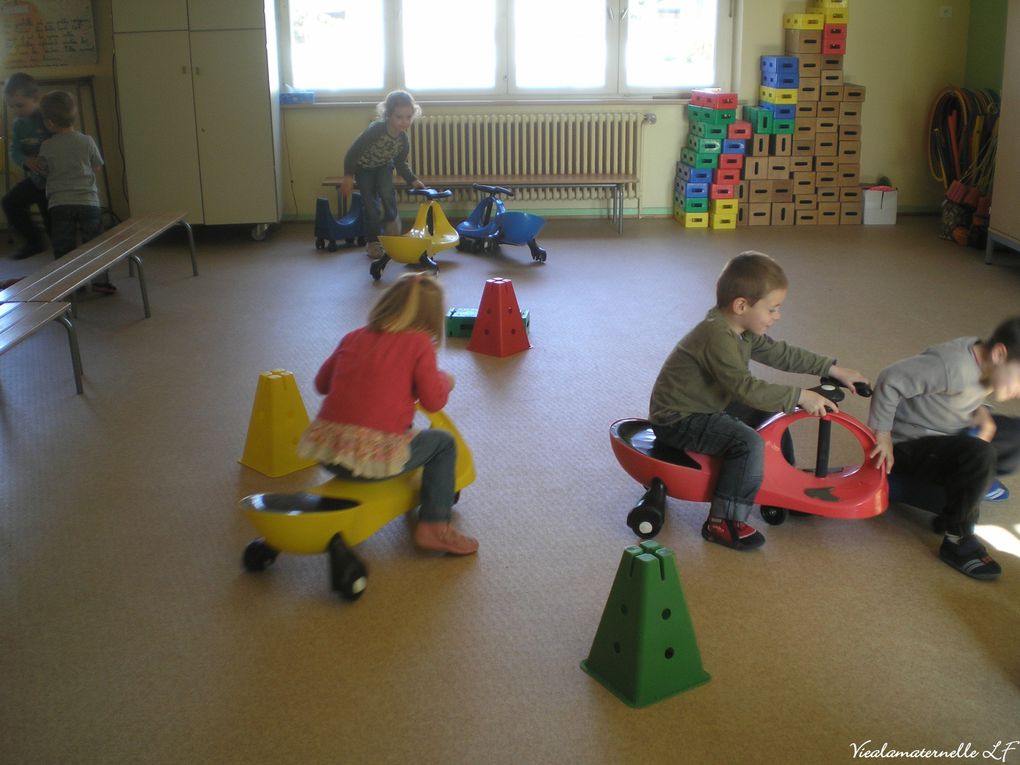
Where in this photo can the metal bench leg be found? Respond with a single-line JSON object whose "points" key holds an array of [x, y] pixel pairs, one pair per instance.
{"points": [[137, 260], [72, 338], [191, 246]]}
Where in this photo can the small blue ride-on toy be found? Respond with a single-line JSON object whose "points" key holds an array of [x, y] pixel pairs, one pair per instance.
{"points": [[490, 225], [349, 227]]}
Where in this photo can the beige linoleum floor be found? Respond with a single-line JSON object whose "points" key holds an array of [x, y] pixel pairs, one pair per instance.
{"points": [[131, 634]]}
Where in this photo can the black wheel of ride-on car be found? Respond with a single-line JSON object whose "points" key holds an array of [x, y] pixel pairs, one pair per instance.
{"points": [[348, 575], [774, 516], [258, 556], [646, 520]]}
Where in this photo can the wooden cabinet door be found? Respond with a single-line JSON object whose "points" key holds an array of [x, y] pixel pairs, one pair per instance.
{"points": [[233, 112], [157, 118], [227, 14], [149, 15]]}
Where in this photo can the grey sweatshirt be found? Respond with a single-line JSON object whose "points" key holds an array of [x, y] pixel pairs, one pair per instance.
{"points": [[932, 394]]}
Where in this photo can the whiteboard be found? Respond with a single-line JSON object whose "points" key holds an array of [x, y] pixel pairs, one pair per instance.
{"points": [[46, 33]]}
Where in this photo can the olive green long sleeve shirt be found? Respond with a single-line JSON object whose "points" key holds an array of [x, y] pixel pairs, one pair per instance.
{"points": [[708, 369]]}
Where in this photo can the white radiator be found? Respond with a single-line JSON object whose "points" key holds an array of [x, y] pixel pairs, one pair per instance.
{"points": [[517, 145]]}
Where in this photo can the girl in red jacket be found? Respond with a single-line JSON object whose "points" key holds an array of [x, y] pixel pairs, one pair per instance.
{"points": [[371, 383]]}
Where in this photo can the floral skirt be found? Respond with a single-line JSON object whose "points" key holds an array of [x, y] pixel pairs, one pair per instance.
{"points": [[367, 453]]}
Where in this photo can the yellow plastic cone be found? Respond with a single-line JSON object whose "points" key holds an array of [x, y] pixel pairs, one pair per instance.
{"points": [[278, 418]]}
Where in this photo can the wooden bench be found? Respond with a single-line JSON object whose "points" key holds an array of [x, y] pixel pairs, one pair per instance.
{"points": [[615, 184], [63, 276], [19, 320]]}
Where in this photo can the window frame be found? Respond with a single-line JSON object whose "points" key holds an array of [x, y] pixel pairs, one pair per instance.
{"points": [[505, 89]]}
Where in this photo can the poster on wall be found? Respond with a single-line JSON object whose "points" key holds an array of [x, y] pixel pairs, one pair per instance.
{"points": [[46, 33]]}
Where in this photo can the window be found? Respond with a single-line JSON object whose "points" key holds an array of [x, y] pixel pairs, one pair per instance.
{"points": [[506, 49]]}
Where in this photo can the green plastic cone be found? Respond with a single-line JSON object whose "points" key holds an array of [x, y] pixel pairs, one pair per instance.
{"points": [[644, 650]]}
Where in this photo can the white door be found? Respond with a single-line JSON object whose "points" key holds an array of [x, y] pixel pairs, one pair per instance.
{"points": [[234, 118], [158, 123]]}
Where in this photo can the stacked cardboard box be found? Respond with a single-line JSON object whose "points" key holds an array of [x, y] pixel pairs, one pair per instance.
{"points": [[828, 120], [705, 188]]}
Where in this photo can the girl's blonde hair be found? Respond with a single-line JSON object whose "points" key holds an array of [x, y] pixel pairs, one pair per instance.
{"points": [[395, 100], [413, 302]]}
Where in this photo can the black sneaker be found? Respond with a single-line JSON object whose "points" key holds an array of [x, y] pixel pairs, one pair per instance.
{"points": [[736, 535], [970, 557]]}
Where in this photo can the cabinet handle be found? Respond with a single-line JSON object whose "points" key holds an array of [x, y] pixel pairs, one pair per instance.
{"points": [[184, 69], [197, 70]]}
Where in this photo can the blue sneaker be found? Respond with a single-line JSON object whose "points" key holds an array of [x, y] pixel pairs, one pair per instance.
{"points": [[996, 492]]}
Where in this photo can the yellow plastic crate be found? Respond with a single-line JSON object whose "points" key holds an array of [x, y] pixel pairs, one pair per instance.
{"points": [[825, 5], [804, 21], [723, 220], [778, 95], [694, 220], [724, 206]]}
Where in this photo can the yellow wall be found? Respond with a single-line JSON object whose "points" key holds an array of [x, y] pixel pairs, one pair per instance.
{"points": [[902, 51]]}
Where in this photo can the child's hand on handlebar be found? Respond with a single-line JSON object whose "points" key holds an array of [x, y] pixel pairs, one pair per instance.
{"points": [[847, 377], [815, 403], [418, 185]]}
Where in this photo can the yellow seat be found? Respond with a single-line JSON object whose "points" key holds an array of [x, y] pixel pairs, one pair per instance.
{"points": [[307, 522], [423, 238]]}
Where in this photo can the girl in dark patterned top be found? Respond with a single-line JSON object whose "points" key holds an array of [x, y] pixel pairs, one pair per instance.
{"points": [[371, 160]]}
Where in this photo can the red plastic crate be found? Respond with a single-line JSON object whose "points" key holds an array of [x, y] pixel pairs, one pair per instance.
{"points": [[834, 30], [731, 161], [834, 46], [713, 98], [722, 191], [726, 177], [739, 130]]}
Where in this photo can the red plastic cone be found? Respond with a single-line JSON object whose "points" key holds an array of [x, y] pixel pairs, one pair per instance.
{"points": [[499, 329]]}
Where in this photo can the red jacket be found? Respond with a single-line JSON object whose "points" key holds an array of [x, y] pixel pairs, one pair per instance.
{"points": [[373, 379]]}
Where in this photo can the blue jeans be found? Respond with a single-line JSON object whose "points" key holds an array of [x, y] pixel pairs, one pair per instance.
{"points": [[378, 197], [437, 452], [66, 221], [742, 451]]}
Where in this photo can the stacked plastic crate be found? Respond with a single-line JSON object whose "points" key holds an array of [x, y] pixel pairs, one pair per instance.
{"points": [[826, 149], [705, 190], [767, 186]]}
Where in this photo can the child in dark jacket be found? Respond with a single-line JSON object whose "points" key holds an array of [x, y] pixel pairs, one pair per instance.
{"points": [[21, 92], [370, 161]]}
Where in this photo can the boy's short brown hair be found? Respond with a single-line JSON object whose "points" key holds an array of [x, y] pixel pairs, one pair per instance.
{"points": [[750, 275], [21, 84], [58, 107]]}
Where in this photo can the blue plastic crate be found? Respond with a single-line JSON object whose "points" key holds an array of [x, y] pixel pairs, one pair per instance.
{"points": [[780, 64], [780, 111], [688, 174], [696, 190], [734, 146], [781, 79]]}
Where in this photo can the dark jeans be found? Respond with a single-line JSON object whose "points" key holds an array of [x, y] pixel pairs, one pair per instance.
{"points": [[962, 466], [67, 221], [17, 204], [378, 197], [437, 451]]}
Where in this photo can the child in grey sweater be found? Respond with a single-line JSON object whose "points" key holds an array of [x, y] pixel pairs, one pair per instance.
{"points": [[932, 424]]}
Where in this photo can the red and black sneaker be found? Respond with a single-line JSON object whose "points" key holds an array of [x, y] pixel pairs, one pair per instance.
{"points": [[736, 535]]}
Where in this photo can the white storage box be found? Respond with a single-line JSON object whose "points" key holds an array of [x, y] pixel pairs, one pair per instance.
{"points": [[879, 205]]}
